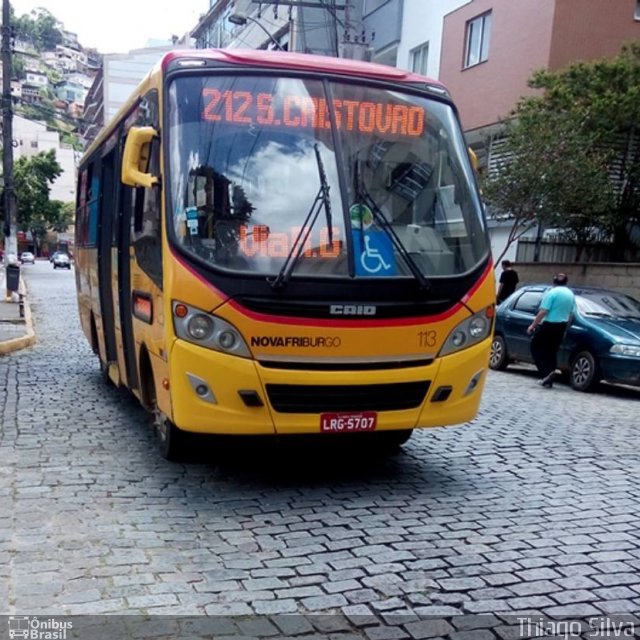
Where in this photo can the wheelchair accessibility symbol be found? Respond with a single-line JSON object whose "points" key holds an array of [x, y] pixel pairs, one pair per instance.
{"points": [[376, 253], [371, 258]]}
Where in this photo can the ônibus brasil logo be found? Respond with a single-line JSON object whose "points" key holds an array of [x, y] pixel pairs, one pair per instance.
{"points": [[34, 628]]}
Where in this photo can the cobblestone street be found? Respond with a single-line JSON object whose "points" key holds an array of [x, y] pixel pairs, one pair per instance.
{"points": [[532, 507]]}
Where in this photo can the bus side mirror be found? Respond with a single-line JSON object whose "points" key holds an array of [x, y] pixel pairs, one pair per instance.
{"points": [[135, 159], [474, 159]]}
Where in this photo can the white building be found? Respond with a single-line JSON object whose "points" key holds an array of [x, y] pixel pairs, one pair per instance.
{"points": [[421, 40], [32, 138], [115, 82], [37, 78]]}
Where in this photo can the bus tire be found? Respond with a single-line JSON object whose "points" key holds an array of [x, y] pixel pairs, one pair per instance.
{"points": [[94, 337], [171, 440], [104, 374]]}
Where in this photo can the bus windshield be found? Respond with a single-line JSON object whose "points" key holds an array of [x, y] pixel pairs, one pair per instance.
{"points": [[350, 180]]}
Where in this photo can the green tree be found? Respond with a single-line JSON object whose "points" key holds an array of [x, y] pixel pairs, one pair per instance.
{"points": [[18, 69], [64, 215], [33, 179], [572, 154], [42, 32]]}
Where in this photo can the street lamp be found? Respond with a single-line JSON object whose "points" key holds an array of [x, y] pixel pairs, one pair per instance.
{"points": [[241, 19]]}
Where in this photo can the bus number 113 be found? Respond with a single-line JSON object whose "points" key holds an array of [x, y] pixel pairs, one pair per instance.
{"points": [[427, 338]]}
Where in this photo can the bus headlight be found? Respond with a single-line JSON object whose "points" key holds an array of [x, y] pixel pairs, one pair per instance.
{"points": [[469, 332], [206, 330], [478, 327], [200, 326], [227, 339], [458, 339]]}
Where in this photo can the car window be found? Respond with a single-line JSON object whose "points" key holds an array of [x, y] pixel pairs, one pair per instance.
{"points": [[608, 304], [529, 301]]}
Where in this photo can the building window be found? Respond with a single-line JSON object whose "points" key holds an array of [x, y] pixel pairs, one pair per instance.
{"points": [[477, 42], [636, 15], [420, 59]]}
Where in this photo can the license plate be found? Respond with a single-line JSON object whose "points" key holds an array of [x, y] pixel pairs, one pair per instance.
{"points": [[348, 422]]}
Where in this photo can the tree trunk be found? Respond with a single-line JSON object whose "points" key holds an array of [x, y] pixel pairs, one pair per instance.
{"points": [[620, 242]]}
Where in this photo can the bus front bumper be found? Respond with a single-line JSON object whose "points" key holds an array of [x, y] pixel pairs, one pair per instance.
{"points": [[212, 392]]}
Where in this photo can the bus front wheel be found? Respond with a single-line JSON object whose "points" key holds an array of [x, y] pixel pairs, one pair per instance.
{"points": [[171, 440]]}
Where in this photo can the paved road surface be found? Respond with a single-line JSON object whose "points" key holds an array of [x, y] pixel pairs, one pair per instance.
{"points": [[533, 506]]}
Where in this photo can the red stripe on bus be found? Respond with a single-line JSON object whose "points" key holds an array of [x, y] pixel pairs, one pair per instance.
{"points": [[354, 324]]}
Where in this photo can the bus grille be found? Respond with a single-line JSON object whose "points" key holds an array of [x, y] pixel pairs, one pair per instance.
{"points": [[300, 398]]}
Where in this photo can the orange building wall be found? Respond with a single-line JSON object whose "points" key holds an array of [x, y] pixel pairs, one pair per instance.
{"points": [[520, 43], [588, 29], [527, 35]]}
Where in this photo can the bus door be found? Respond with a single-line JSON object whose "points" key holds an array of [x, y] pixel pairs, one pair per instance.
{"points": [[107, 219], [124, 285]]}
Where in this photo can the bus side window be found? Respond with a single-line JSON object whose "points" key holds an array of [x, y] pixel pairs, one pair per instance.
{"points": [[82, 222], [147, 231]]}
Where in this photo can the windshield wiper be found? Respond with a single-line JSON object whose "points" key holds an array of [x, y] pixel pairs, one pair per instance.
{"points": [[321, 200], [386, 226]]}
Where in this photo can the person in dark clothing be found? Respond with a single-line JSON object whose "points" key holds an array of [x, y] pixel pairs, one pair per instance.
{"points": [[508, 281], [548, 328]]}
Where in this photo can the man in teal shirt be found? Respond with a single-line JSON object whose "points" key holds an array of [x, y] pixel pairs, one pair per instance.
{"points": [[556, 310]]}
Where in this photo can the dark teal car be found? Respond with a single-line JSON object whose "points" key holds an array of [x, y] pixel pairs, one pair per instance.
{"points": [[602, 342]]}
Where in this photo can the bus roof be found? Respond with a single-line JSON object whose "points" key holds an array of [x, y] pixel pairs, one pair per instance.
{"points": [[302, 61]]}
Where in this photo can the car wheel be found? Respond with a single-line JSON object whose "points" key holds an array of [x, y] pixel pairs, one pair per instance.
{"points": [[498, 360], [584, 374]]}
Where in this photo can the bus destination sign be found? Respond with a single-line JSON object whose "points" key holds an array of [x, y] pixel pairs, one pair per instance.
{"points": [[294, 111]]}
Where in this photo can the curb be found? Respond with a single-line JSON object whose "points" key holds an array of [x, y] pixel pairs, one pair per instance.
{"points": [[16, 344]]}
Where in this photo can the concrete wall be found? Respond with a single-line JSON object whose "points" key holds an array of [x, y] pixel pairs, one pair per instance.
{"points": [[616, 276]]}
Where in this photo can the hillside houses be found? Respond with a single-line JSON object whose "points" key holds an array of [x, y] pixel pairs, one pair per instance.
{"points": [[50, 84]]}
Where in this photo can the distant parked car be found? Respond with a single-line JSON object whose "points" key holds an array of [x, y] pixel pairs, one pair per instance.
{"points": [[61, 260], [27, 257], [56, 253], [602, 342]]}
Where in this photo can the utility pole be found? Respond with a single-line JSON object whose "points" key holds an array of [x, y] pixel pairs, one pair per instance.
{"points": [[354, 44], [10, 227]]}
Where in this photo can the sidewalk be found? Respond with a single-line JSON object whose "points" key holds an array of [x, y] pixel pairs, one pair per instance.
{"points": [[16, 332]]}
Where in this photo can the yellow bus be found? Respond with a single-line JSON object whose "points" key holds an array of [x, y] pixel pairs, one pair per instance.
{"points": [[279, 243]]}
